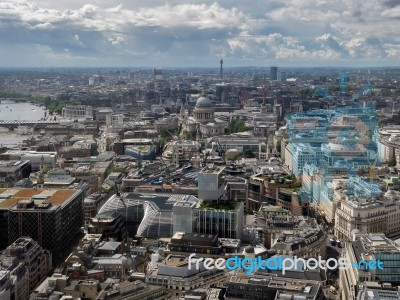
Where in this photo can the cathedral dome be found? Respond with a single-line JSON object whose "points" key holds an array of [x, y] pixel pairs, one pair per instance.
{"points": [[204, 102]]}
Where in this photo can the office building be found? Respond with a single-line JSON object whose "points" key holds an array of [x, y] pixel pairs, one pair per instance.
{"points": [[201, 244], [236, 188], [257, 145], [181, 151], [108, 225], [53, 179], [12, 171], [147, 215], [153, 215], [92, 205], [27, 252], [211, 184], [224, 219], [263, 186], [51, 217], [367, 247], [289, 234], [274, 73], [62, 287], [364, 208], [37, 159], [302, 154], [14, 282], [76, 112], [377, 292], [174, 274], [272, 288], [305, 243], [182, 221]]}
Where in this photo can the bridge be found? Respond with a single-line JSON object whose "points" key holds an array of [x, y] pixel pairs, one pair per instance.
{"points": [[35, 124]]}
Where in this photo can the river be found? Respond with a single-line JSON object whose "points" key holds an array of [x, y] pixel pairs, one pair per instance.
{"points": [[24, 111]]}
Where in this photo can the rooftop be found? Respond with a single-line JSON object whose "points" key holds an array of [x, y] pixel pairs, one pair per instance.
{"points": [[10, 197], [213, 205], [182, 236], [366, 245], [378, 294], [212, 169]]}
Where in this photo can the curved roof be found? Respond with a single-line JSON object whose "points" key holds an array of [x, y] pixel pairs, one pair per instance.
{"points": [[148, 215], [204, 102]]}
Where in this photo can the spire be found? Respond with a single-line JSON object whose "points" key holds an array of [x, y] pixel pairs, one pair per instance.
{"points": [[221, 74]]}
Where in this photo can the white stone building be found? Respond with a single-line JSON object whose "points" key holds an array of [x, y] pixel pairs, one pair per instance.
{"points": [[202, 122]]}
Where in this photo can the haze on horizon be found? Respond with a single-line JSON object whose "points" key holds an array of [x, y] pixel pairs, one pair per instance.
{"points": [[121, 33]]}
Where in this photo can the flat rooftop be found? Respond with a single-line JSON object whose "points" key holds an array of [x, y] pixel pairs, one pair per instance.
{"points": [[182, 236], [212, 169], [214, 205], [11, 196]]}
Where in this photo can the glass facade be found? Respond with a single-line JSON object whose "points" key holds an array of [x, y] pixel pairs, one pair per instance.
{"points": [[391, 268], [224, 223]]}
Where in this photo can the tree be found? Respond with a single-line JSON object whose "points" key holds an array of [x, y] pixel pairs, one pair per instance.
{"points": [[392, 162], [235, 126], [279, 145], [248, 153]]}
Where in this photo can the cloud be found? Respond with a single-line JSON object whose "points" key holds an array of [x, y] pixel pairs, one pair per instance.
{"points": [[391, 3], [200, 32]]}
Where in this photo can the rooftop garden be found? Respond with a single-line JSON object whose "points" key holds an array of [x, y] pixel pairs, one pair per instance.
{"points": [[218, 205], [294, 189]]}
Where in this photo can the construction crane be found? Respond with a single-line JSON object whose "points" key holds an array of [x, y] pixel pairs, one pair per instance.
{"points": [[220, 150], [264, 93]]}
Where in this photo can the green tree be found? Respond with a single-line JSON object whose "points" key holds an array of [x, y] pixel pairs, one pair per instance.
{"points": [[248, 153], [392, 162], [235, 126], [279, 145]]}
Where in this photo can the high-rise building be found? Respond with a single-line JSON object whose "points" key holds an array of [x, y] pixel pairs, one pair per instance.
{"points": [[274, 73], [51, 217], [182, 220], [158, 74], [365, 248], [14, 283], [27, 252], [210, 183], [224, 219]]}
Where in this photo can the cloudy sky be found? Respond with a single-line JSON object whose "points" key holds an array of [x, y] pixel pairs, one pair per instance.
{"points": [[172, 33]]}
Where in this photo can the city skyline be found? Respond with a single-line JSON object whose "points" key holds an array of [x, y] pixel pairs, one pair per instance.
{"points": [[199, 33]]}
